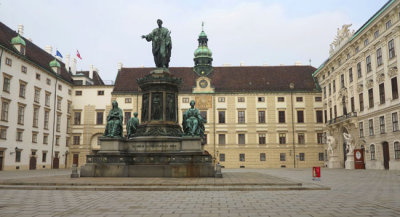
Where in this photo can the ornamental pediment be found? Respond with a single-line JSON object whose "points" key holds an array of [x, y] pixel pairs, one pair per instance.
{"points": [[380, 78], [392, 71], [369, 83], [342, 37], [360, 88]]}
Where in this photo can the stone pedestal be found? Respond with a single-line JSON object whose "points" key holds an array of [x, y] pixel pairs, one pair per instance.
{"points": [[349, 164], [334, 162]]}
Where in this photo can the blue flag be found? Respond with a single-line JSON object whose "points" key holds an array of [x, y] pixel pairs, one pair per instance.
{"points": [[58, 54]]}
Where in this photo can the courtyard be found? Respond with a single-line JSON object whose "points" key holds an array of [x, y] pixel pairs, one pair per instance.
{"points": [[353, 193]]}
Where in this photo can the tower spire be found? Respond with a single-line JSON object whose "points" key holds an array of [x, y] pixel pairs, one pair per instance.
{"points": [[203, 55]]}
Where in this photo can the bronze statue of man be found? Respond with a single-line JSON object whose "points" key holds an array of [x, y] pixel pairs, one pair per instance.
{"points": [[132, 125], [162, 45]]}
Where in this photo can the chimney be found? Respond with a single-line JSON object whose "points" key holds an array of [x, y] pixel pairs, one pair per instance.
{"points": [[282, 64], [226, 64], [297, 63], [120, 66], [30, 39], [241, 63], [67, 57], [49, 49], [73, 66], [265, 64], [91, 71], [21, 29]]}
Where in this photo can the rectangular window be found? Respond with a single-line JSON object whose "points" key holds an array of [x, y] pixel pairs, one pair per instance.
{"points": [[281, 99], [372, 152], [44, 156], [282, 156], [99, 118], [361, 99], [242, 157], [58, 123], [204, 115], [241, 117], [350, 75], [68, 125], [396, 150], [221, 139], [376, 34], [320, 137], [24, 69], [241, 99], [34, 137], [35, 117], [221, 157], [221, 99], [359, 72], [330, 89], [318, 99], [353, 108], [321, 156], [361, 126], [221, 117], [46, 119], [77, 140], [6, 84], [382, 93], [37, 95], [77, 118], [18, 156], [261, 117], [379, 60], [261, 139], [368, 63], [242, 139], [330, 113], [69, 107], [22, 89], [128, 100], [282, 138], [100, 92], [185, 100], [300, 138], [57, 140], [299, 99], [395, 122], [382, 124], [371, 127], [5, 105], [59, 100], [3, 133], [342, 80], [366, 42], [371, 97], [45, 139], [395, 91], [47, 99], [335, 111], [78, 93], [326, 116], [20, 135], [334, 86], [21, 112], [324, 92], [262, 157], [127, 116], [388, 24], [48, 81], [392, 52], [261, 99], [281, 116], [300, 116], [8, 62], [59, 87], [302, 156]]}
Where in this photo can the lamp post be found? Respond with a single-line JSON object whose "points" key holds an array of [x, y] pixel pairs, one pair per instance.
{"points": [[291, 85]]}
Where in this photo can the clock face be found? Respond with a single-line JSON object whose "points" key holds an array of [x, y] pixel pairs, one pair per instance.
{"points": [[203, 83], [358, 155]]}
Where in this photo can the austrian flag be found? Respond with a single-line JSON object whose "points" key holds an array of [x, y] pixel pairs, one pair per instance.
{"points": [[78, 54]]}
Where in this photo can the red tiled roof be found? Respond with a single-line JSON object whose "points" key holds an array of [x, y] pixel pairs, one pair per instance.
{"points": [[33, 52], [230, 79]]}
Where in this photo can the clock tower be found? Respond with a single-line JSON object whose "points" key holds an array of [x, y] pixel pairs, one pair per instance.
{"points": [[203, 56]]}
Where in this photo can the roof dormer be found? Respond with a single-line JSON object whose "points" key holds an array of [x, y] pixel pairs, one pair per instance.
{"points": [[55, 66], [19, 44]]}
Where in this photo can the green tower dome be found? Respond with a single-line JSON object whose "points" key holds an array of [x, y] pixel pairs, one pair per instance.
{"points": [[203, 56], [18, 40], [54, 63]]}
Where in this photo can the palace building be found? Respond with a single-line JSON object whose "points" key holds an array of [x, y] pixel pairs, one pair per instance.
{"points": [[257, 116], [360, 81]]}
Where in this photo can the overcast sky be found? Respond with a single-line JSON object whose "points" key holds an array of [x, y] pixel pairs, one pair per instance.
{"points": [[252, 32]]}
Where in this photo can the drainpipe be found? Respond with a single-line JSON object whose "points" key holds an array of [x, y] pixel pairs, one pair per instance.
{"points": [[215, 135], [1, 56], [291, 103], [54, 121]]}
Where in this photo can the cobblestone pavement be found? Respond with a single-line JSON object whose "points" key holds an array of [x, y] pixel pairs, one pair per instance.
{"points": [[354, 193]]}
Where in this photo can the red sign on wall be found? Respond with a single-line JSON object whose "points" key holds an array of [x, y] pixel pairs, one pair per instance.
{"points": [[316, 173]]}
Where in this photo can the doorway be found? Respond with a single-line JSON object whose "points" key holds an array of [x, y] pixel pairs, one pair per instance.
{"points": [[1, 160], [75, 159], [386, 156], [32, 163]]}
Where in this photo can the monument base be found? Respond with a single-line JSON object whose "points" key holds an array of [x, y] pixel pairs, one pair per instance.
{"points": [[334, 162], [149, 157], [349, 164]]}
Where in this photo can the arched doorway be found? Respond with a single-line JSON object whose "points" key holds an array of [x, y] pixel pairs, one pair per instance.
{"points": [[386, 156]]}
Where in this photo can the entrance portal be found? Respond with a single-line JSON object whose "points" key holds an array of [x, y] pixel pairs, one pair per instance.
{"points": [[1, 160], [32, 163], [386, 157]]}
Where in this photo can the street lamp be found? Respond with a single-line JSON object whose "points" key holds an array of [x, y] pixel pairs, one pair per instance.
{"points": [[291, 85]]}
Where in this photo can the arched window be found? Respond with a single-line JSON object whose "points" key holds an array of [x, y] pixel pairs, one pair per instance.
{"points": [[372, 151], [397, 150]]}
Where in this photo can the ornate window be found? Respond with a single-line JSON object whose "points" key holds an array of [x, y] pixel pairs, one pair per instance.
{"points": [[379, 57], [382, 93], [395, 122], [382, 124], [397, 150], [371, 127], [361, 127], [371, 97], [351, 75], [359, 72], [372, 152], [368, 63], [395, 91], [392, 52]]}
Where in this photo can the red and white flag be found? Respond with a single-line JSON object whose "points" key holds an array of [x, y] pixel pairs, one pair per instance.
{"points": [[78, 54]]}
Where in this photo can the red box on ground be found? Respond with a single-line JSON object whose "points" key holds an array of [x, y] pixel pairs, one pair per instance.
{"points": [[316, 172]]}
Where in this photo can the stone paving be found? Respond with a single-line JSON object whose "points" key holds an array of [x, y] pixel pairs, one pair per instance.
{"points": [[354, 193]]}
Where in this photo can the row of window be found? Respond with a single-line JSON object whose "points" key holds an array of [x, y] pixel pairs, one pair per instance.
{"points": [[382, 125], [396, 148], [263, 157], [18, 154], [259, 99], [262, 141]]}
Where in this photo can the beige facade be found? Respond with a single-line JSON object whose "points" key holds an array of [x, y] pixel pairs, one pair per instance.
{"points": [[360, 89]]}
